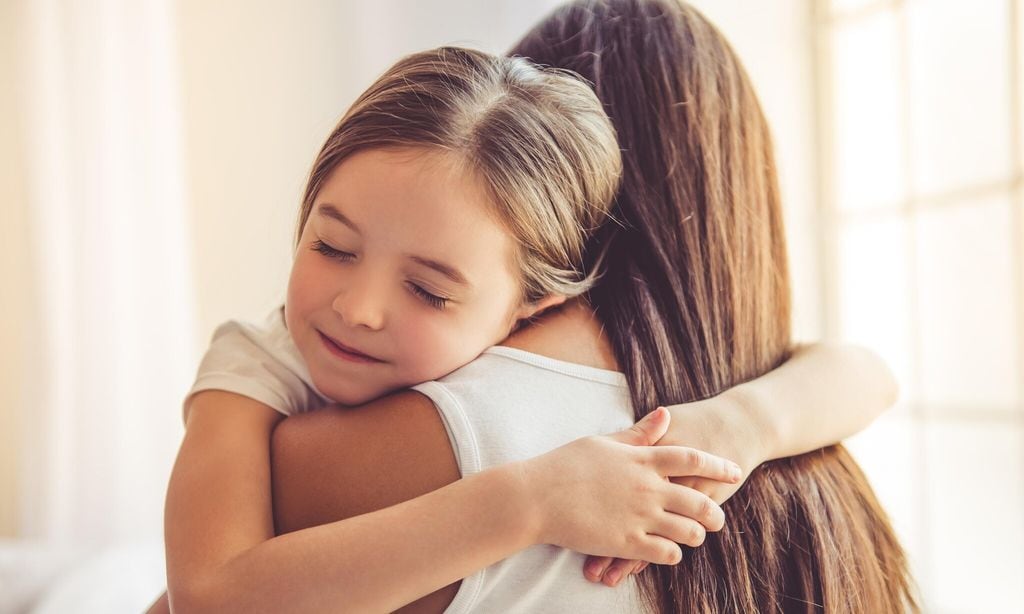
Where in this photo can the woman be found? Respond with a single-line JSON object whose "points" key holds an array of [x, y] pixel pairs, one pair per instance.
{"points": [[811, 519], [694, 299]]}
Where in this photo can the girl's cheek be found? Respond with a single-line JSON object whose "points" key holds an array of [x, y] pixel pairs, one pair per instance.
{"points": [[296, 291], [431, 346], [421, 332], [303, 286]]}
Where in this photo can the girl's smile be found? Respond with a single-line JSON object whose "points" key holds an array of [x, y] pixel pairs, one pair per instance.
{"points": [[344, 352]]}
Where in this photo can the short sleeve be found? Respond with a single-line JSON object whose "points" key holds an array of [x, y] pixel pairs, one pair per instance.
{"points": [[246, 360]]}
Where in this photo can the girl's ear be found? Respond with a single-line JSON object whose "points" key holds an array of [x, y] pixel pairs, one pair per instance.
{"points": [[535, 308]]}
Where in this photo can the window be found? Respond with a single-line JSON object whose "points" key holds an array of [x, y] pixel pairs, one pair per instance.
{"points": [[923, 249]]}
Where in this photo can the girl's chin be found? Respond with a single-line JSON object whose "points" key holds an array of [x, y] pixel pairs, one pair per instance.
{"points": [[352, 398]]}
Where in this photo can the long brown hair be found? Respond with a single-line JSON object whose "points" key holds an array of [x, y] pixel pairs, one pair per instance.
{"points": [[537, 138], [695, 296]]}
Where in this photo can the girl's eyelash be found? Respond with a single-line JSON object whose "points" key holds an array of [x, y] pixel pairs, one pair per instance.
{"points": [[433, 300], [330, 252]]}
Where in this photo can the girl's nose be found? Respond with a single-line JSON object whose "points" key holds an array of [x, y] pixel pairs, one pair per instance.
{"points": [[360, 306]]}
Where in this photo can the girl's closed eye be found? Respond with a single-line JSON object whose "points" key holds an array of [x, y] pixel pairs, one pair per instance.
{"points": [[437, 302], [330, 252]]}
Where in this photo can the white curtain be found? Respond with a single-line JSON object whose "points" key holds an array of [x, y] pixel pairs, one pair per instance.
{"points": [[114, 338], [112, 324]]}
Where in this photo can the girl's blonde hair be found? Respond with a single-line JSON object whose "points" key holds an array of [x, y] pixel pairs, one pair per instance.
{"points": [[538, 139]]}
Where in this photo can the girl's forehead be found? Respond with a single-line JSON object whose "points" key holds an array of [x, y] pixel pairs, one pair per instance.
{"points": [[407, 181], [398, 169], [415, 170], [420, 201]]}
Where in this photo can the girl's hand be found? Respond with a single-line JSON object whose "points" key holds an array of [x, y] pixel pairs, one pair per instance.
{"points": [[717, 425], [610, 496]]}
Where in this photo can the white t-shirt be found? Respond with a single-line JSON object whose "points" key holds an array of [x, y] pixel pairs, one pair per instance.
{"points": [[259, 361], [506, 405]]}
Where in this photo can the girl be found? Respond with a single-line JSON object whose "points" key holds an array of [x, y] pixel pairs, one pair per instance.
{"points": [[452, 202]]}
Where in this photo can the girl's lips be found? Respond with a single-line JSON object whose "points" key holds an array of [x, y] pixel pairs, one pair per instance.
{"points": [[344, 352]]}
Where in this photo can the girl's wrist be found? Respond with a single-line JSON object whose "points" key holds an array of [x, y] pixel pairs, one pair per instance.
{"points": [[729, 425], [519, 491], [744, 416]]}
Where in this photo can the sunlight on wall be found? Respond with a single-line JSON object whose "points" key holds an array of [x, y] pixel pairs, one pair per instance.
{"points": [[924, 227], [105, 187]]}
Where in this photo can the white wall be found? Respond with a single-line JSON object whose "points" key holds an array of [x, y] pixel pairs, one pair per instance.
{"points": [[15, 284], [264, 85], [774, 41]]}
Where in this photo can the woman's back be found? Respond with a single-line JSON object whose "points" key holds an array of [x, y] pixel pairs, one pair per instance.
{"points": [[695, 296], [801, 533], [511, 404], [804, 534]]}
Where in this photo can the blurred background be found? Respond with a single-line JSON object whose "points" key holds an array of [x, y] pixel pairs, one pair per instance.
{"points": [[152, 155]]}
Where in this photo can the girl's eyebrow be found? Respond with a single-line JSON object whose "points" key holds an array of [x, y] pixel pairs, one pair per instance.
{"points": [[448, 271], [329, 210], [452, 273]]}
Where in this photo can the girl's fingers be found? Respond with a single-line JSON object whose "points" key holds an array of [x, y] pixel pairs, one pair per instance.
{"points": [[680, 461], [697, 506], [659, 550], [647, 431], [639, 567], [681, 530], [595, 567], [619, 569]]}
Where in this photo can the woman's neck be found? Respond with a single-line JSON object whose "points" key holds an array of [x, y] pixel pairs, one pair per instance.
{"points": [[571, 333]]}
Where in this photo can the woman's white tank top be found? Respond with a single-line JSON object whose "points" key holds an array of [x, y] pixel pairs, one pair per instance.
{"points": [[510, 405]]}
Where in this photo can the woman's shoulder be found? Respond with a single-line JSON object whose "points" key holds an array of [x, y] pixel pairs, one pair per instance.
{"points": [[571, 333]]}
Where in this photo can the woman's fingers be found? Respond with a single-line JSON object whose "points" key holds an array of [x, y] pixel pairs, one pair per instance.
{"points": [[680, 461]]}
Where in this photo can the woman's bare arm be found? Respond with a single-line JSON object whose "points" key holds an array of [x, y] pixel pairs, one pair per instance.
{"points": [[322, 471], [223, 555], [334, 464]]}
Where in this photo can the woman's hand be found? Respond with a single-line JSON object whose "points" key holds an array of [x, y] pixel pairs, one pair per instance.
{"points": [[619, 480], [715, 425]]}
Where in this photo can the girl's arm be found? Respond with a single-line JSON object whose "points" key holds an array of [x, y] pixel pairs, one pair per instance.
{"points": [[222, 554], [824, 393]]}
